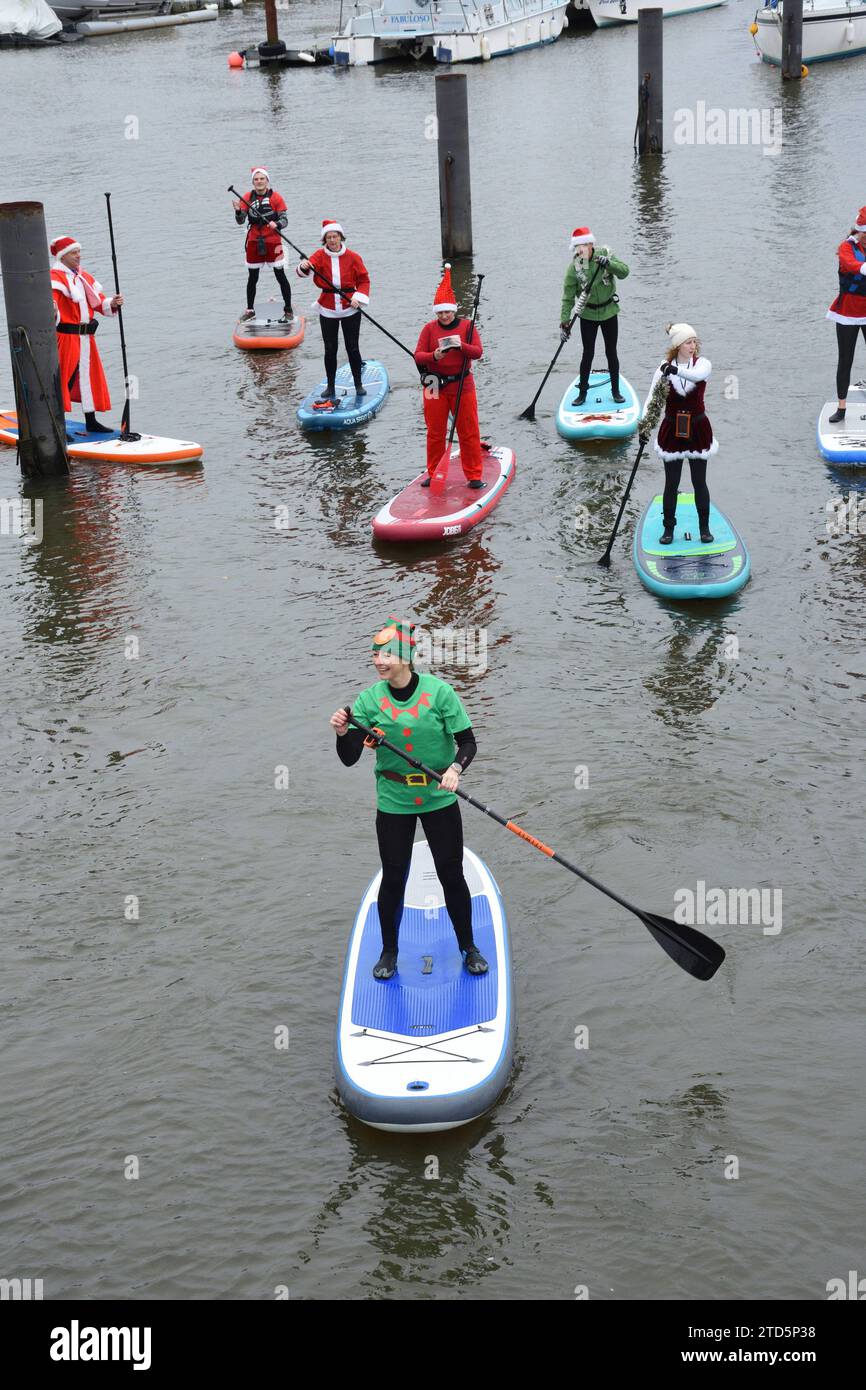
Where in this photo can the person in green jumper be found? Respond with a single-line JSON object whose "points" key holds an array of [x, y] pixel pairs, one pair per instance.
{"points": [[598, 265], [425, 716]]}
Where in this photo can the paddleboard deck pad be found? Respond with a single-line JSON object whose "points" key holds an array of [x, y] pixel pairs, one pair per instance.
{"points": [[433, 1047], [422, 514], [256, 335], [350, 409], [150, 449], [600, 417], [845, 442], [687, 568]]}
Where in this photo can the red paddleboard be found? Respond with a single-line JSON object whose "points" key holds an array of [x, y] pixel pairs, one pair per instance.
{"points": [[422, 514]]}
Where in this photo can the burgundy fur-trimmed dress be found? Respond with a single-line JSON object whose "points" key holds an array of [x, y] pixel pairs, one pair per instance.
{"points": [[680, 437]]}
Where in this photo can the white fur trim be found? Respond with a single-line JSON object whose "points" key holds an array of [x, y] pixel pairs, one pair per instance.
{"points": [[583, 240], [841, 318], [362, 298], [444, 308], [689, 454], [332, 227]]}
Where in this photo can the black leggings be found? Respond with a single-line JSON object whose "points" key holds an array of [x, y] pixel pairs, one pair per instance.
{"points": [[588, 334], [846, 340], [673, 471], [331, 338], [253, 280], [444, 832]]}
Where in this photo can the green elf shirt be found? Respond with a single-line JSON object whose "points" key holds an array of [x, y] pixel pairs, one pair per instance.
{"points": [[424, 725], [600, 305]]}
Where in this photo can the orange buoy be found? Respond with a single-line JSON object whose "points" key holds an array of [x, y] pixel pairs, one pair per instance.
{"points": [[753, 28], [804, 71], [236, 60]]}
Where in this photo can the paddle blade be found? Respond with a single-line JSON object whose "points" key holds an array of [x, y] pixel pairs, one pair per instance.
{"points": [[689, 949], [604, 560], [528, 413], [440, 477]]}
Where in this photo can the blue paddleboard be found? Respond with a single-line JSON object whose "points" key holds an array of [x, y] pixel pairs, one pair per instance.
{"points": [[350, 409], [687, 568], [433, 1047], [845, 442], [599, 417]]}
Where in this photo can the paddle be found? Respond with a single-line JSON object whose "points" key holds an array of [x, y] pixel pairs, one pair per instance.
{"points": [[580, 305], [340, 293], [655, 406], [440, 474], [124, 419], [689, 949]]}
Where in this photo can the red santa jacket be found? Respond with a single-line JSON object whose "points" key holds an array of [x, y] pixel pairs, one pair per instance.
{"points": [[849, 306], [346, 270], [451, 361], [77, 298]]}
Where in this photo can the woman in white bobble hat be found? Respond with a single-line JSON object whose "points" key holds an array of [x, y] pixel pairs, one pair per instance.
{"points": [[685, 431]]}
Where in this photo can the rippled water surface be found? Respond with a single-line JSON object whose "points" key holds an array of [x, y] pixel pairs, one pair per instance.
{"points": [[154, 776]]}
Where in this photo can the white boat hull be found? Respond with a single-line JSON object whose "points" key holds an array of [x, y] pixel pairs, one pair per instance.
{"points": [[608, 12], [449, 45], [829, 31]]}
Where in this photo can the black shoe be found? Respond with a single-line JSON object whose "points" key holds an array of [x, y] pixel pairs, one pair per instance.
{"points": [[620, 400], [474, 961], [246, 315], [386, 966], [288, 316], [580, 398], [328, 396], [667, 535], [425, 482], [706, 535], [838, 415], [359, 390], [93, 426], [475, 483]]}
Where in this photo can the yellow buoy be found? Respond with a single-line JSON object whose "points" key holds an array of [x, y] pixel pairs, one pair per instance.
{"points": [[804, 71], [753, 28]]}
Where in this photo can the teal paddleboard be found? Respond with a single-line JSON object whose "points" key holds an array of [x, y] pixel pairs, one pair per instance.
{"points": [[687, 568], [600, 417]]}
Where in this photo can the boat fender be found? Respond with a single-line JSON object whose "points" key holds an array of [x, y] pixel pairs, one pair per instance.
{"points": [[236, 60], [753, 28], [485, 48], [849, 31]]}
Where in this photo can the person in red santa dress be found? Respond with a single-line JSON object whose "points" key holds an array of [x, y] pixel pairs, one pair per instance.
{"points": [[335, 267], [265, 211], [77, 298], [848, 310], [441, 352]]}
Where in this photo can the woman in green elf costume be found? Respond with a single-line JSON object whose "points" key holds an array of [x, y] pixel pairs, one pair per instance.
{"points": [[424, 715], [599, 268]]}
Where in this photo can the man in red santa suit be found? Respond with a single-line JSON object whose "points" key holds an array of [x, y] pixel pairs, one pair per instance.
{"points": [[77, 298], [335, 265], [445, 364], [848, 310]]}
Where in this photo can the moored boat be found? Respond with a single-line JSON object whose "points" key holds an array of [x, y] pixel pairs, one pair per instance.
{"points": [[447, 31], [830, 30], [607, 12]]}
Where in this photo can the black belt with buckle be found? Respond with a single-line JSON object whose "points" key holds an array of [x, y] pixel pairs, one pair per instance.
{"points": [[410, 779], [79, 329]]}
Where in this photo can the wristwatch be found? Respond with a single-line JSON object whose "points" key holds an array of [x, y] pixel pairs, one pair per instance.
{"points": [[455, 767]]}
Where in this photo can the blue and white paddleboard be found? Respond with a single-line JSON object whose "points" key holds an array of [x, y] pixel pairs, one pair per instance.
{"points": [[687, 568], [433, 1047], [845, 442], [350, 409], [599, 417]]}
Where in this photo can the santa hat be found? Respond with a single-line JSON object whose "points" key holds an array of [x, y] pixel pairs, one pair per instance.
{"points": [[443, 299], [62, 245], [860, 224], [329, 225], [582, 236], [397, 638], [679, 333], [259, 170]]}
